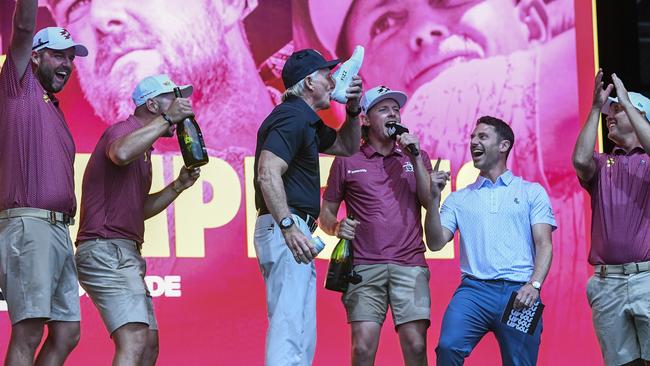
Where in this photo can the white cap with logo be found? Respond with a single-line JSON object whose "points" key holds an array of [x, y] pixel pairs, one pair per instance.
{"points": [[57, 38], [379, 93], [639, 101], [153, 86]]}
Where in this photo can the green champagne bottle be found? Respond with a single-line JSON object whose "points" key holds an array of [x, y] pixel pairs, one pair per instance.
{"points": [[340, 272], [190, 140]]}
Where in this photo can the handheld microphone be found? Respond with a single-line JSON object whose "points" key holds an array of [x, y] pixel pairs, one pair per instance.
{"points": [[396, 129]]}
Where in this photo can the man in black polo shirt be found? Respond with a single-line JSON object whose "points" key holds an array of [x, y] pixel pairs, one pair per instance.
{"points": [[287, 196]]}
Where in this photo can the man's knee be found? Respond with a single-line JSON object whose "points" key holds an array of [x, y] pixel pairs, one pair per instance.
{"points": [[64, 335], [416, 348], [27, 333], [131, 337], [449, 346], [363, 350]]}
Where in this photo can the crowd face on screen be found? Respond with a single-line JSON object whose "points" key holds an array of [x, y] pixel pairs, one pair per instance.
{"points": [[379, 116], [129, 40], [412, 41]]}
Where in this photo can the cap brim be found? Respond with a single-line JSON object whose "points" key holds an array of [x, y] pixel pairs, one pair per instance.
{"points": [[396, 95], [607, 105], [186, 90], [330, 64], [79, 49]]}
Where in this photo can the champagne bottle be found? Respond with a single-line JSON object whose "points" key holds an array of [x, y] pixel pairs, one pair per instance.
{"points": [[340, 271], [190, 140]]}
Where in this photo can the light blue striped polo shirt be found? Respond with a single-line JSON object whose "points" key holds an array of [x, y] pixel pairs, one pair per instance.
{"points": [[495, 224]]}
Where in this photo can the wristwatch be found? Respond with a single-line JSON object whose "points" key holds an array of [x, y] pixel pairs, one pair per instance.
{"points": [[286, 223], [351, 113], [536, 285], [167, 118]]}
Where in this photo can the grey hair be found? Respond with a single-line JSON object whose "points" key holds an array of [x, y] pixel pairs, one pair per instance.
{"points": [[298, 89]]}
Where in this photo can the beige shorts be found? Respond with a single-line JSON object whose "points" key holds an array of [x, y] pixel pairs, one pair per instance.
{"points": [[404, 288], [37, 272], [620, 307], [112, 273]]}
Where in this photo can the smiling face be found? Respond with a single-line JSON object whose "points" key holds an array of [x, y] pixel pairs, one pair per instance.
{"points": [[130, 40], [412, 41], [487, 148], [379, 116], [618, 123], [53, 68]]}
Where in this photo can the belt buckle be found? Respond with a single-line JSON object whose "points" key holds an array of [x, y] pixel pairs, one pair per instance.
{"points": [[603, 270], [52, 217]]}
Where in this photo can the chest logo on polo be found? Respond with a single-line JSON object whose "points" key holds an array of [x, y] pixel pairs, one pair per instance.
{"points": [[610, 161], [357, 171], [408, 167], [46, 98], [516, 200]]}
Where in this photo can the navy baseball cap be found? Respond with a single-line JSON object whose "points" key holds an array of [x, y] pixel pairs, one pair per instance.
{"points": [[302, 63]]}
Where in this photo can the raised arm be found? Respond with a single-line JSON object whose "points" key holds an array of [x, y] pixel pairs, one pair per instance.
{"points": [[437, 235], [130, 147], [638, 120], [422, 177], [269, 177], [349, 136], [24, 27], [583, 151]]}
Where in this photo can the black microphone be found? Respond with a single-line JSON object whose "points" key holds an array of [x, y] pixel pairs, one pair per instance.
{"points": [[396, 129]]}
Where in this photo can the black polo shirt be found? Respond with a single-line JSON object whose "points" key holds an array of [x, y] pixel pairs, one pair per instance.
{"points": [[295, 133]]}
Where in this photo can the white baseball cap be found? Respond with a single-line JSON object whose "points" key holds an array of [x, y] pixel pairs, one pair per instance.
{"points": [[57, 38], [153, 86], [328, 18], [379, 93], [639, 101]]}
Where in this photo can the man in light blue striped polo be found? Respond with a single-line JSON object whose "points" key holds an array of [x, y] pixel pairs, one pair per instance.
{"points": [[505, 226]]}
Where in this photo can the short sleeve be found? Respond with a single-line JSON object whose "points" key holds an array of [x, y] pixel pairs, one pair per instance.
{"points": [[285, 137], [114, 133], [10, 84], [335, 190], [541, 211], [600, 160], [448, 218], [326, 136]]}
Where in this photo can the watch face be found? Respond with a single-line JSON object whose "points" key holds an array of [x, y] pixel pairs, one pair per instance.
{"points": [[286, 222], [536, 285]]}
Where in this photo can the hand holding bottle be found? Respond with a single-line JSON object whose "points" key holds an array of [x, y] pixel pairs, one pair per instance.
{"points": [[180, 109], [187, 177], [345, 229], [300, 246]]}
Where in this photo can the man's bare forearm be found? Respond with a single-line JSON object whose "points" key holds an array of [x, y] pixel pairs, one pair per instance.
{"points": [[274, 194], [422, 182]]}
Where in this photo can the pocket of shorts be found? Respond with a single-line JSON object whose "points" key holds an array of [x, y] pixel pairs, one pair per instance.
{"points": [[104, 254], [589, 290]]}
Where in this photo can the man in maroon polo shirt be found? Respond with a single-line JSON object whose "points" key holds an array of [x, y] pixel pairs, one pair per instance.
{"points": [[385, 185], [115, 202], [619, 186], [37, 202]]}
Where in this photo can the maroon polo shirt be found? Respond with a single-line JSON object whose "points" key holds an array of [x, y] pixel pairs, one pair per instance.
{"points": [[620, 203], [36, 149], [113, 197], [380, 191]]}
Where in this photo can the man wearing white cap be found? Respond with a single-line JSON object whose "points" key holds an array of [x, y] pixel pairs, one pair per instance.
{"points": [[37, 201], [619, 290], [115, 202], [384, 179]]}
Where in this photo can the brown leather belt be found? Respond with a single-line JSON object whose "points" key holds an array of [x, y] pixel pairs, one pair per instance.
{"points": [[626, 269]]}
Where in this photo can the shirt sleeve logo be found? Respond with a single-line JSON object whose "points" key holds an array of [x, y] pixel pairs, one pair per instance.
{"points": [[408, 167]]}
